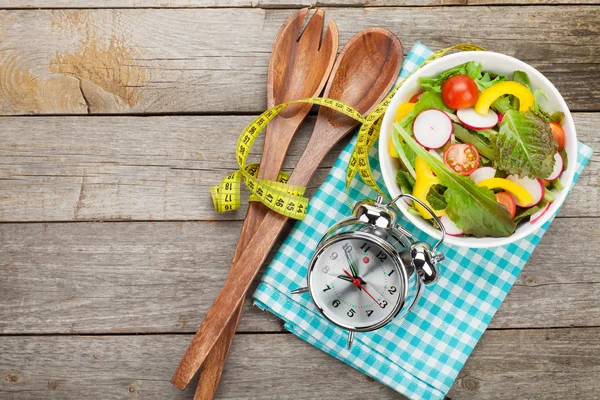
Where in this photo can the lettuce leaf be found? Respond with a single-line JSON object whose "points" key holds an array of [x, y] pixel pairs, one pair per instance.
{"points": [[525, 145], [522, 78], [435, 197], [471, 69], [405, 180], [473, 209]]}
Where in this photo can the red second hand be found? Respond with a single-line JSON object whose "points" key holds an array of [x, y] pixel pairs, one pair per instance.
{"points": [[356, 283]]}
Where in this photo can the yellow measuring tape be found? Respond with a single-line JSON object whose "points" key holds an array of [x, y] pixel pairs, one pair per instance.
{"points": [[288, 199]]}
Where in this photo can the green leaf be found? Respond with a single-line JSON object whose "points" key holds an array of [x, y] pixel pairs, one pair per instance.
{"points": [[405, 180], [525, 145], [466, 136], [522, 78], [527, 212], [558, 117], [488, 80], [549, 196], [556, 184], [473, 209], [565, 158], [471, 69], [502, 104], [435, 197]]}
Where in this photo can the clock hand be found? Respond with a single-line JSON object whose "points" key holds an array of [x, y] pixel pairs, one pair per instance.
{"points": [[342, 277], [352, 265], [356, 282]]}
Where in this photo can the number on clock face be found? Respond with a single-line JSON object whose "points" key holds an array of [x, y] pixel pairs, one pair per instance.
{"points": [[360, 301]]}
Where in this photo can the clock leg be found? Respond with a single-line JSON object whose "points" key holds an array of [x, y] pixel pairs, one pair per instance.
{"points": [[350, 339], [300, 290]]}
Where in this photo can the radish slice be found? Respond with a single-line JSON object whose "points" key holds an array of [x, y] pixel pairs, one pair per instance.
{"points": [[535, 187], [483, 173], [534, 217], [558, 167], [473, 120], [500, 116], [432, 128], [451, 228]]}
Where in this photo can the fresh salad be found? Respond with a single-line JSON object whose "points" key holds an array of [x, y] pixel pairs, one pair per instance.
{"points": [[479, 150]]}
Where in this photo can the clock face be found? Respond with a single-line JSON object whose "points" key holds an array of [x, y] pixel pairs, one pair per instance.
{"points": [[356, 283]]}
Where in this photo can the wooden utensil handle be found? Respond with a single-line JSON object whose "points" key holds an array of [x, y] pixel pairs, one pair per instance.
{"points": [[279, 134], [229, 298], [242, 273], [213, 366]]}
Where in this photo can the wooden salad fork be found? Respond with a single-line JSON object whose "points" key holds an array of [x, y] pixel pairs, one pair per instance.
{"points": [[299, 67], [363, 74]]}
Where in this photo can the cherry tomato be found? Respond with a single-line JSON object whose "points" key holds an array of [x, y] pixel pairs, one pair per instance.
{"points": [[507, 201], [415, 97], [559, 134], [462, 158], [460, 91]]}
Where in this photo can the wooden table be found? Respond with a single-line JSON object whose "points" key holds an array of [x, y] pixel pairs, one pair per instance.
{"points": [[117, 117]]}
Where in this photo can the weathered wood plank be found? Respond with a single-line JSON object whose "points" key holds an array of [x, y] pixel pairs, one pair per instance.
{"points": [[159, 168], [163, 277], [540, 364], [9, 4], [122, 168], [536, 364], [107, 61], [531, 2], [122, 277]]}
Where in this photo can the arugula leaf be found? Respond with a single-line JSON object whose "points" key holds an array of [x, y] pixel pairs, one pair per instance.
{"points": [[527, 212], [405, 180], [466, 136], [525, 145], [473, 209], [435, 197]]}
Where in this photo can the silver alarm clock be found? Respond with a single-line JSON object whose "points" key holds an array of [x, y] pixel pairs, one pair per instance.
{"points": [[367, 269]]}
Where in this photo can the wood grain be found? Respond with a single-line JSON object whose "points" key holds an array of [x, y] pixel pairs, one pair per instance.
{"points": [[65, 278], [531, 364], [531, 2], [8, 4], [161, 168], [300, 64], [188, 62]]}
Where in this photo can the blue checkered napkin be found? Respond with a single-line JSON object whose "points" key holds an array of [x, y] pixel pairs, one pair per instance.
{"points": [[421, 355]]}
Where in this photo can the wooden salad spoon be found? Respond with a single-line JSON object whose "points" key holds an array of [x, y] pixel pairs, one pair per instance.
{"points": [[363, 74], [299, 67]]}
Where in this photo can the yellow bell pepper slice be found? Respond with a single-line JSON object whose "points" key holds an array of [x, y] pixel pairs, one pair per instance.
{"points": [[424, 181], [392, 148], [520, 91], [513, 188], [403, 110]]}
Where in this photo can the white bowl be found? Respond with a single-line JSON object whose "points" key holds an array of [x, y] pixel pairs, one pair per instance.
{"points": [[493, 62]]}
